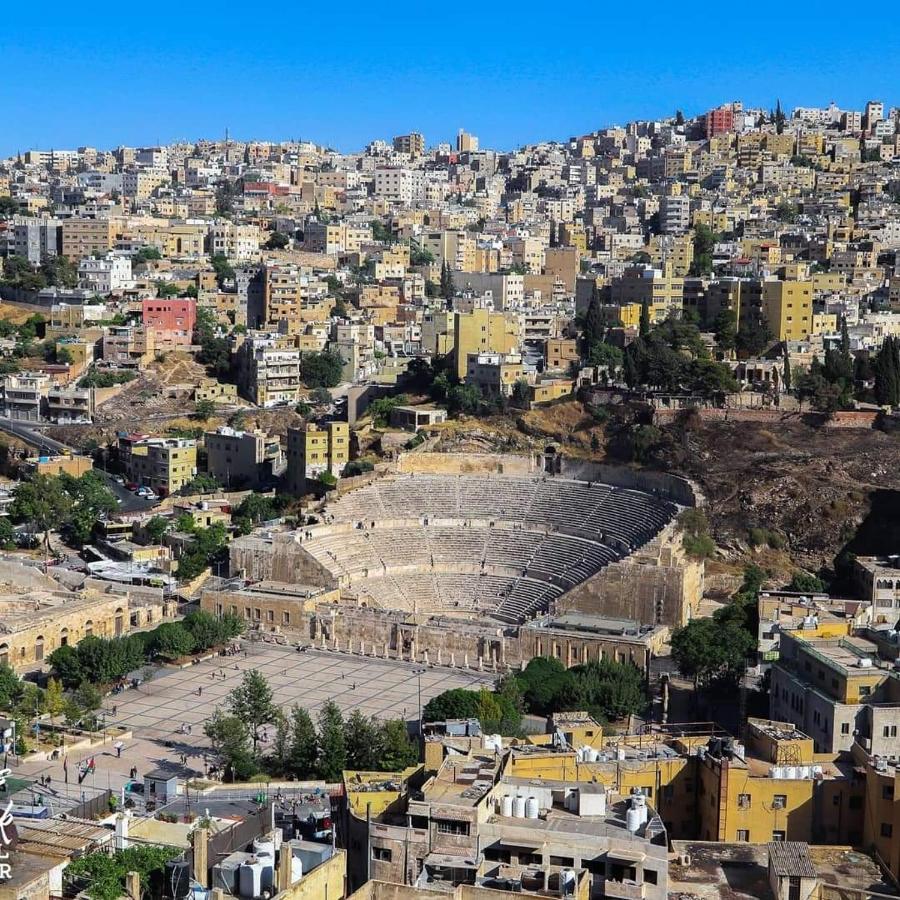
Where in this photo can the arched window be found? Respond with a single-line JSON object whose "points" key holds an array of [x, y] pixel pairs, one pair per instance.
{"points": [[39, 648]]}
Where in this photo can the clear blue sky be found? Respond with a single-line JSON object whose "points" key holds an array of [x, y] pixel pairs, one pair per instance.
{"points": [[345, 73]]}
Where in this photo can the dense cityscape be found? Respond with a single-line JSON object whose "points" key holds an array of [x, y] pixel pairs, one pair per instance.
{"points": [[443, 520]]}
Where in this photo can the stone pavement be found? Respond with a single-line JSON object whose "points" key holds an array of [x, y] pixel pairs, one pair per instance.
{"points": [[156, 711]]}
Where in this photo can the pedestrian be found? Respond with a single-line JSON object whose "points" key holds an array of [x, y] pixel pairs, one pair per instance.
{"points": [[200, 691], [118, 745]]}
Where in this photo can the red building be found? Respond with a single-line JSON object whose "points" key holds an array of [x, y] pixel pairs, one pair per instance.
{"points": [[720, 120], [172, 320]]}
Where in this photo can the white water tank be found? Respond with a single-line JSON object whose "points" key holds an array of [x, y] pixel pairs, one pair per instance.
{"points": [[296, 869], [620, 753], [790, 772], [493, 742], [805, 771], [567, 883], [506, 806], [519, 808], [632, 819], [264, 851], [250, 879], [531, 808], [592, 754]]}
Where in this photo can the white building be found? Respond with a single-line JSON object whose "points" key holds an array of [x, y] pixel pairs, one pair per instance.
{"points": [[105, 275]]}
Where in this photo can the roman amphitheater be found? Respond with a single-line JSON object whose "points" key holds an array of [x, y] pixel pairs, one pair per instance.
{"points": [[447, 545]]}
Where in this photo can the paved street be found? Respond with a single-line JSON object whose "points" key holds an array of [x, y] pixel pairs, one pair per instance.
{"points": [[157, 709]]}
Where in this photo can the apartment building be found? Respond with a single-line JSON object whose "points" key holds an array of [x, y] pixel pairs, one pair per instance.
{"points": [[482, 331], [130, 346], [494, 374], [397, 185], [269, 369], [312, 450], [172, 321], [242, 459], [22, 395], [877, 579], [412, 143], [36, 239], [292, 298], [659, 289], [70, 405], [237, 242], [560, 353], [162, 463], [788, 308], [485, 809], [675, 214], [840, 687], [105, 275], [465, 142], [87, 237]]}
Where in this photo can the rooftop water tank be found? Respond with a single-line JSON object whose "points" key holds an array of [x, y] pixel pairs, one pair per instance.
{"points": [[250, 881], [519, 808], [531, 808], [633, 820], [506, 806]]}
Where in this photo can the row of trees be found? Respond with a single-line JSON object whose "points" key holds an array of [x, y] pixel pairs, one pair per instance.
{"points": [[607, 689], [104, 661], [298, 748]]}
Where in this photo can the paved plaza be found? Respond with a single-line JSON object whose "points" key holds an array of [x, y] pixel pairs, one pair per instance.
{"points": [[156, 711]]}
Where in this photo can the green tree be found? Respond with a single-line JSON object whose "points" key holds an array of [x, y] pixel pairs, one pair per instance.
{"points": [[304, 745], [704, 243], [165, 289], [457, 703], [252, 702], [887, 372], [59, 271], [277, 241], [157, 528], [223, 269], [172, 641], [332, 750], [395, 749], [10, 687], [521, 395], [644, 324], [322, 370], [54, 698], [447, 287], [43, 503], [696, 538], [361, 742], [725, 328], [66, 663], [543, 681], [230, 738], [204, 410], [87, 697], [806, 583], [7, 534]]}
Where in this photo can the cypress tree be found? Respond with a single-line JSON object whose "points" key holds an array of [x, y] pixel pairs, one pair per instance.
{"points": [[644, 328], [786, 380]]}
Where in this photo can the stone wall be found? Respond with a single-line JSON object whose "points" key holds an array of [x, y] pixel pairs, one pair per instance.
{"points": [[279, 558], [465, 463], [657, 585], [324, 623]]}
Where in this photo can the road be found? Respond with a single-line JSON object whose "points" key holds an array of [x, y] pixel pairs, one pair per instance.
{"points": [[130, 501], [26, 431]]}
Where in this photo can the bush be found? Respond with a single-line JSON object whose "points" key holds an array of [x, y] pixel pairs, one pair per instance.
{"points": [[357, 467]]}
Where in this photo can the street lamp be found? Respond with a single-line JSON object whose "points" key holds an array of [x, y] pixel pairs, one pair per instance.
{"points": [[419, 673]]}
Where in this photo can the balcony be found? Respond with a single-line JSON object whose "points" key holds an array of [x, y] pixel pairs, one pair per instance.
{"points": [[626, 890]]}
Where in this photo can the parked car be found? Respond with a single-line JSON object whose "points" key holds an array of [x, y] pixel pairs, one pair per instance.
{"points": [[132, 486]]}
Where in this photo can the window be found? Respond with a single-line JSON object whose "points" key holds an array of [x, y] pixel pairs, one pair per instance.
{"points": [[887, 830], [865, 690], [777, 835], [845, 728], [744, 801], [887, 792], [452, 826], [889, 731], [651, 876], [562, 861], [743, 835], [382, 854], [779, 801]]}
